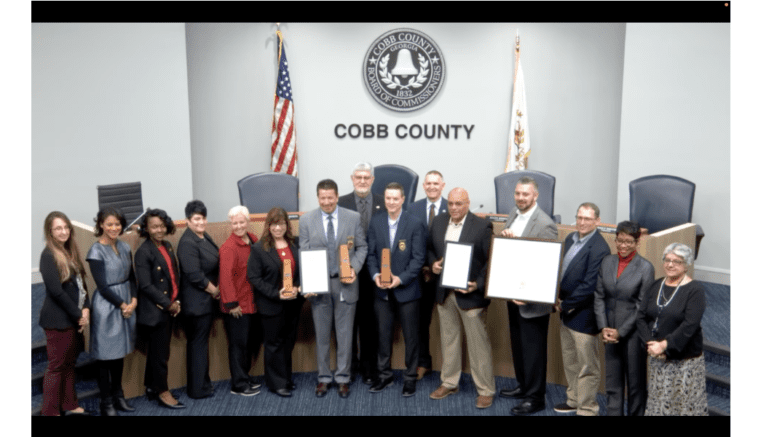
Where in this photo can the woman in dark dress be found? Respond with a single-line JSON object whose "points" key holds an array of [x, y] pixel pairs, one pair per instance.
{"points": [[624, 278], [64, 315], [669, 323], [113, 307], [198, 257], [156, 269], [278, 308]]}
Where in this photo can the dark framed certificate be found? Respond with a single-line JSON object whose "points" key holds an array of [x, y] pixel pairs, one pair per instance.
{"points": [[455, 265], [525, 269], [313, 271]]}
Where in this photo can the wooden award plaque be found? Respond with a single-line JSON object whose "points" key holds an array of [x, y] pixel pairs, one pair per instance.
{"points": [[288, 283], [345, 263], [385, 267]]}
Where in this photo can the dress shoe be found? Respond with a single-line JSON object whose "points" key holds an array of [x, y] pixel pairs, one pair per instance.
{"points": [[408, 389], [381, 384], [513, 393], [121, 404], [484, 401], [207, 394], [564, 408], [344, 390], [167, 400], [443, 392], [322, 388], [282, 392], [527, 407], [291, 386], [151, 394], [369, 380], [422, 371], [254, 383]]}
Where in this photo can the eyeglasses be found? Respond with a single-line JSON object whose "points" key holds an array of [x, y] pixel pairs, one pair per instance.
{"points": [[625, 242], [675, 262], [585, 219], [362, 178]]}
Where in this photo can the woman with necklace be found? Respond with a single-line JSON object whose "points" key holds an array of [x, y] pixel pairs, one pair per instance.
{"points": [[669, 322], [113, 307], [278, 307], [237, 300], [158, 282]]}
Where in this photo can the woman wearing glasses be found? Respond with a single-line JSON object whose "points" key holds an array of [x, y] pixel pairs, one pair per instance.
{"points": [[669, 323], [624, 278]]}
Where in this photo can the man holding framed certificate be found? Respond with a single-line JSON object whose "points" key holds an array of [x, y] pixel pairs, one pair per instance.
{"points": [[528, 322], [460, 310], [397, 251], [330, 227]]}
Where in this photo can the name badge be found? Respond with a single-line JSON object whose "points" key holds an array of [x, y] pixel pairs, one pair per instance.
{"points": [[402, 245], [350, 242]]}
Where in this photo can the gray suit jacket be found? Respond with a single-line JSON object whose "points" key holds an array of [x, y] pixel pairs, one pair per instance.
{"points": [[617, 300], [540, 225], [313, 236]]}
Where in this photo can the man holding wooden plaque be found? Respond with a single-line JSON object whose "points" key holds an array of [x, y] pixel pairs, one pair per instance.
{"points": [[337, 230], [397, 250]]}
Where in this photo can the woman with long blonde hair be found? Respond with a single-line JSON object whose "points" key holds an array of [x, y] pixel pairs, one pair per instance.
{"points": [[64, 315]]}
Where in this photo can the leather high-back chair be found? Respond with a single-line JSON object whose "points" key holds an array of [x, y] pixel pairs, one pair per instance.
{"points": [[127, 198], [385, 174], [505, 183], [261, 192], [661, 202]]}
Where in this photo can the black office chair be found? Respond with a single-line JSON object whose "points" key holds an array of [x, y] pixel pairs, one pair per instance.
{"points": [[661, 202], [504, 185], [261, 192], [127, 198], [385, 174]]}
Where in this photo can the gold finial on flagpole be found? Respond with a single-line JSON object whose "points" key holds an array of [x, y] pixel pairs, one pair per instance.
{"points": [[280, 40]]}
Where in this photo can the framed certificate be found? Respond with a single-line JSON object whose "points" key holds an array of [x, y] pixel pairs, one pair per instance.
{"points": [[314, 271], [455, 265], [525, 269]]}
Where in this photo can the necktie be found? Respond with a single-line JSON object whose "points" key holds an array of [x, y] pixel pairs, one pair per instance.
{"points": [[363, 214], [431, 214], [330, 245]]}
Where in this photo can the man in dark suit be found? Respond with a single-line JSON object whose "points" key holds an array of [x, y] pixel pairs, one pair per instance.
{"points": [[403, 235], [584, 251], [463, 311], [528, 322], [329, 227], [425, 210], [365, 334]]}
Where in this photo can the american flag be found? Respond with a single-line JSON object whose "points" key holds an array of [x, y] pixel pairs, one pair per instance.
{"points": [[284, 136], [518, 149]]}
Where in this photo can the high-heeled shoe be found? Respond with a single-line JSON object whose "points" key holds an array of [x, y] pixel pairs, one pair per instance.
{"points": [[121, 404], [167, 396], [106, 407]]}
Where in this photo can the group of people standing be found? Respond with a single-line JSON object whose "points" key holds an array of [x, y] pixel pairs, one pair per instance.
{"points": [[614, 295]]}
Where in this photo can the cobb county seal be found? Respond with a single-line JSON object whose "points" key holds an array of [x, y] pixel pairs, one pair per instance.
{"points": [[404, 70]]}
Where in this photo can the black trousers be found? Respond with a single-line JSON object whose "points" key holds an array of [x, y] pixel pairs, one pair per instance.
{"points": [[408, 312], [626, 370], [365, 331], [238, 330], [529, 340], [280, 335], [428, 294], [109, 378], [158, 338], [198, 382]]}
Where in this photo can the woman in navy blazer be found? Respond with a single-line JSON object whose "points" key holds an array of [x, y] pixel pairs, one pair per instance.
{"points": [[156, 270], [624, 278], [64, 315], [198, 256], [279, 312]]}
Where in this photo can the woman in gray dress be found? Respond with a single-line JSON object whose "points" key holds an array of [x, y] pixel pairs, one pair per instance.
{"points": [[113, 307]]}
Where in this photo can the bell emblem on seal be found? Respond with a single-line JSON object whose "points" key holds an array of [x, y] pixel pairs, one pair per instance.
{"points": [[404, 66]]}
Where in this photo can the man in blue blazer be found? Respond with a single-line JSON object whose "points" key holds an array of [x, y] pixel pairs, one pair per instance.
{"points": [[584, 251], [403, 234], [425, 210]]}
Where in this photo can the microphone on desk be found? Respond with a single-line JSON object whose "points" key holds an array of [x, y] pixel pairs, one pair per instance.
{"points": [[477, 208]]}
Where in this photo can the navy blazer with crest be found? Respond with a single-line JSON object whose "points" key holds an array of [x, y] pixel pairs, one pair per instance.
{"points": [[155, 284], [407, 254], [578, 284], [265, 273]]}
